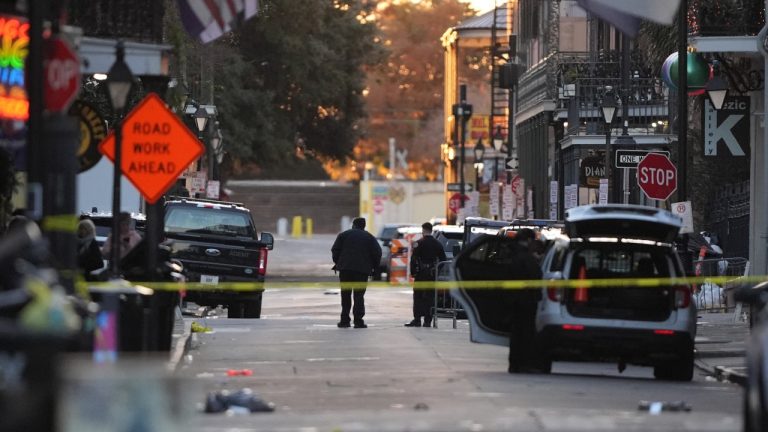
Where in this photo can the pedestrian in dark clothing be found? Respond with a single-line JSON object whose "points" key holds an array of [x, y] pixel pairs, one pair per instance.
{"points": [[356, 253], [525, 353], [425, 255], [88, 252]]}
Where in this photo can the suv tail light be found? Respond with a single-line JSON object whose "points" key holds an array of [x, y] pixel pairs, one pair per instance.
{"points": [[581, 295], [682, 296], [262, 261], [555, 294]]}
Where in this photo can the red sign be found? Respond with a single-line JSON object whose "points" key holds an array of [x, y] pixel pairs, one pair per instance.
{"points": [[657, 176], [454, 202], [156, 147], [61, 75]]}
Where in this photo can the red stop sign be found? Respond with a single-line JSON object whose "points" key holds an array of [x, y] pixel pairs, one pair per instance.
{"points": [[657, 176], [61, 75], [454, 202]]}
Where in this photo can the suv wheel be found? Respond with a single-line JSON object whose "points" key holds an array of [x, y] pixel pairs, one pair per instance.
{"points": [[680, 369]]}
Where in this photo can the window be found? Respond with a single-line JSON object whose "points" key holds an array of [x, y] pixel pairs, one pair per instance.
{"points": [[195, 220], [619, 263]]}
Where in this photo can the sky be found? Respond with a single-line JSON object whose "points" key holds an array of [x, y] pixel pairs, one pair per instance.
{"points": [[482, 5]]}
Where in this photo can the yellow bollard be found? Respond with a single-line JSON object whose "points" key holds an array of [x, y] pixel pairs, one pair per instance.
{"points": [[296, 228], [309, 227]]}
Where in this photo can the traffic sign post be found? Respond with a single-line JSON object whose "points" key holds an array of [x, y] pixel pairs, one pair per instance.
{"points": [[631, 158], [61, 75], [156, 147], [657, 176]]}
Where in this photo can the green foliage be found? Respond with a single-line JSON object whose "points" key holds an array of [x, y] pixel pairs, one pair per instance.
{"points": [[293, 77]]}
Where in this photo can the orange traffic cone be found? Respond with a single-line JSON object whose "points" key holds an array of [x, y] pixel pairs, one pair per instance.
{"points": [[581, 296]]}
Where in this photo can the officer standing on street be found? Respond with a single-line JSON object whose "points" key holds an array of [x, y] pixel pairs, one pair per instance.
{"points": [[355, 253], [525, 353], [427, 252]]}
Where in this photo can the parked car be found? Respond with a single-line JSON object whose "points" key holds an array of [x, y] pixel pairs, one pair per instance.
{"points": [[217, 242], [385, 236], [450, 236], [476, 227], [103, 222], [651, 326]]}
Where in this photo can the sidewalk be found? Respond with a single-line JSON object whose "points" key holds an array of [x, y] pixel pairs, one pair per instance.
{"points": [[721, 346]]}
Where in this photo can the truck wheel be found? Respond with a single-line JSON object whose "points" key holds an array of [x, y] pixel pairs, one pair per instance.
{"points": [[235, 310], [252, 308]]}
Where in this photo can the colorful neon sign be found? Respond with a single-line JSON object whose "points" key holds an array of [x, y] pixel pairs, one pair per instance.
{"points": [[14, 46]]}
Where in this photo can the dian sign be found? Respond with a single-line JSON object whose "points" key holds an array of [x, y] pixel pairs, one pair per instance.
{"points": [[657, 176], [156, 147], [61, 75]]}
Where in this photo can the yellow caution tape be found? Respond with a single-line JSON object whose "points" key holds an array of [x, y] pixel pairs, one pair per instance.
{"points": [[722, 281], [66, 223]]}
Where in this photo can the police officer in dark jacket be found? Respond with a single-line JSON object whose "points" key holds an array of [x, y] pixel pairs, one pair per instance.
{"points": [[525, 352], [426, 253], [356, 253]]}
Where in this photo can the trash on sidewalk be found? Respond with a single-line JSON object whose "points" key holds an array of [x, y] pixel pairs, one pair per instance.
{"points": [[239, 372], [200, 328], [656, 407], [236, 403]]}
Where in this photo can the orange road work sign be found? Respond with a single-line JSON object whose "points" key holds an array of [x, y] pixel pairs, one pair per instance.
{"points": [[156, 147]]}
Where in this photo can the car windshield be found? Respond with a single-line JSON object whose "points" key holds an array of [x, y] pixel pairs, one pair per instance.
{"points": [[193, 220], [388, 233]]}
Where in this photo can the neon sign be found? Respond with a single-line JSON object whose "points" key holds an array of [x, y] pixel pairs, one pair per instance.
{"points": [[14, 46]]}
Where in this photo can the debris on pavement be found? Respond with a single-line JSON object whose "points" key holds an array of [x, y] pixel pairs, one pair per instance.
{"points": [[200, 328], [657, 407], [239, 402], [239, 372], [421, 406]]}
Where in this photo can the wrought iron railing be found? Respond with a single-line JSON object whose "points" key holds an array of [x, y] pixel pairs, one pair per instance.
{"points": [[647, 98]]}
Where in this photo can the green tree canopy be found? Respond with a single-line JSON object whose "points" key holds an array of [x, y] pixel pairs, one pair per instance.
{"points": [[290, 80]]}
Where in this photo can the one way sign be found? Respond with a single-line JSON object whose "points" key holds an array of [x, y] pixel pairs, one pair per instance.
{"points": [[729, 126], [510, 163]]}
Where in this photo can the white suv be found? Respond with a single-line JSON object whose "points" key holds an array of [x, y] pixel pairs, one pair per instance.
{"points": [[626, 323]]}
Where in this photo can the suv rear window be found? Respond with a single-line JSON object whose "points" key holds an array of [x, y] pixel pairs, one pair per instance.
{"points": [[194, 220], [620, 263]]}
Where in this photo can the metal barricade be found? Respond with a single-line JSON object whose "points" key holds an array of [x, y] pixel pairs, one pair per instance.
{"points": [[718, 297], [445, 305]]}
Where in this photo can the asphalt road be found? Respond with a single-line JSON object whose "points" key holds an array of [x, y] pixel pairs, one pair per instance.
{"points": [[391, 378]]}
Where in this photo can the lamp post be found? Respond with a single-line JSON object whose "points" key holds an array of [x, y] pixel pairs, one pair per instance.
{"points": [[479, 153], [119, 84], [609, 111], [201, 121], [498, 143]]}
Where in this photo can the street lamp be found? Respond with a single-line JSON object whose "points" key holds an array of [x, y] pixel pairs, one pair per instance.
{"points": [[119, 83], [498, 143], [717, 90], [201, 121], [609, 111]]}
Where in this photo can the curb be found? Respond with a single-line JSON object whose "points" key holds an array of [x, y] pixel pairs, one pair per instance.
{"points": [[180, 346], [721, 373]]}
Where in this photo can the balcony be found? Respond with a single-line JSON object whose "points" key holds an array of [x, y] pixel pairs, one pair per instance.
{"points": [[581, 102], [725, 18], [541, 87]]}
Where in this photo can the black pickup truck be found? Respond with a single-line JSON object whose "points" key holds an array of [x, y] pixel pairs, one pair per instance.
{"points": [[217, 242]]}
